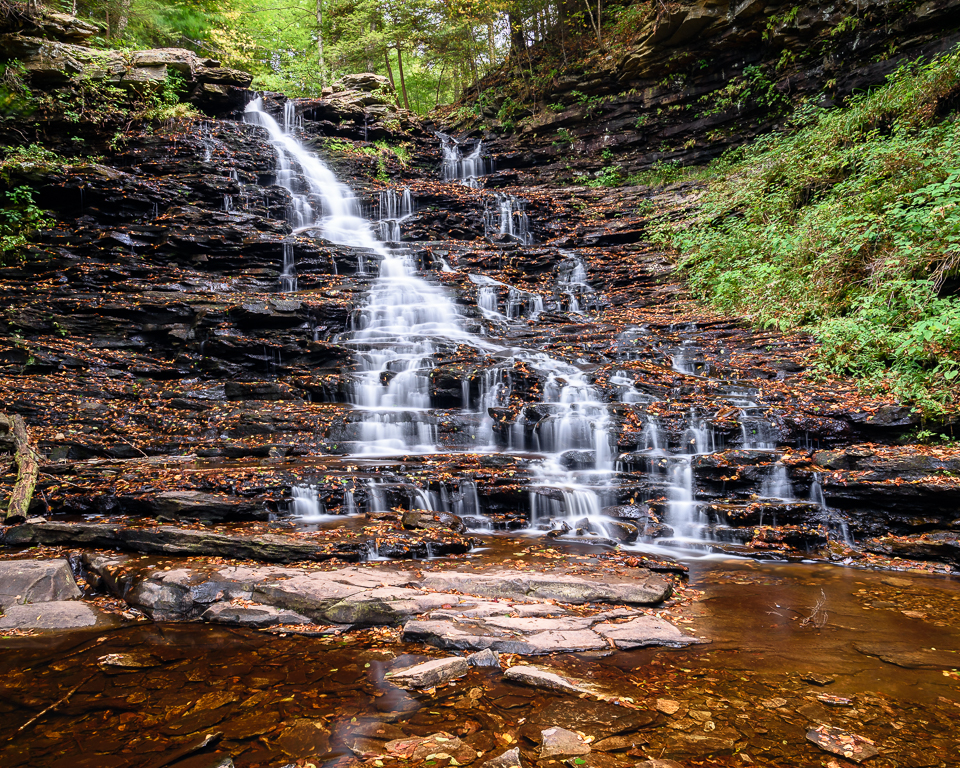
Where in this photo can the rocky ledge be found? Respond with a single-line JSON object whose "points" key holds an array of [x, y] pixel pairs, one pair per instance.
{"points": [[499, 610]]}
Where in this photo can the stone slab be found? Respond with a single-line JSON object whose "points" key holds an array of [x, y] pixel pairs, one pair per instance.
{"points": [[36, 581], [429, 674], [57, 615]]}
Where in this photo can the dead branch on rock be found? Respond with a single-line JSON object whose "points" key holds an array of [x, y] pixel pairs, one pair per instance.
{"points": [[818, 616], [28, 467]]}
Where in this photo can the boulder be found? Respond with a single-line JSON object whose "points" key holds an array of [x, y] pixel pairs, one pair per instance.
{"points": [[417, 518], [251, 615], [484, 658], [429, 674], [36, 581], [539, 678], [559, 742], [366, 82], [69, 614]]}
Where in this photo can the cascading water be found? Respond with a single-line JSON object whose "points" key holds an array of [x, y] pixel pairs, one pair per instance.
{"points": [[517, 304], [777, 484], [467, 170], [324, 203], [288, 277], [394, 208], [572, 283], [508, 217]]}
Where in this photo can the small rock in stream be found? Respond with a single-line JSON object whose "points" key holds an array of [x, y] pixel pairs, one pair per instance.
{"points": [[815, 679], [509, 759], [437, 746], [484, 658], [429, 674], [559, 742], [538, 678], [839, 742]]}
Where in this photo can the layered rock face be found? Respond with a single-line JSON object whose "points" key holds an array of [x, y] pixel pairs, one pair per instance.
{"points": [[700, 78], [153, 338], [218, 330], [50, 50]]}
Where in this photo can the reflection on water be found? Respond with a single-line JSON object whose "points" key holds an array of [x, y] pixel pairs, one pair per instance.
{"points": [[754, 690]]}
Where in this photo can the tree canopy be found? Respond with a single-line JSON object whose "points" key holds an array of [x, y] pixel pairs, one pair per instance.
{"points": [[432, 50]]}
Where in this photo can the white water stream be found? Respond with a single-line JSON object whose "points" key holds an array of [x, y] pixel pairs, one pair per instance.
{"points": [[407, 321]]}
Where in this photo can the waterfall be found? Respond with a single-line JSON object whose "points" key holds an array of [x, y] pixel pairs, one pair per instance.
{"points": [[467, 170], [288, 277], [509, 218], [683, 510], [394, 208], [777, 484], [572, 282], [578, 421], [325, 203], [817, 497], [518, 304]]}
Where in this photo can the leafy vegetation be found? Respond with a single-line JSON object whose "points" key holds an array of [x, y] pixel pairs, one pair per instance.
{"points": [[849, 224], [19, 218]]}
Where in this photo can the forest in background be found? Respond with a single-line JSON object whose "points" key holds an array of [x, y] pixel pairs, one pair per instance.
{"points": [[433, 51]]}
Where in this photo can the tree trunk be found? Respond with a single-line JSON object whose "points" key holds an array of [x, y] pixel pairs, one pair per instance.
{"points": [[28, 467], [595, 21], [518, 41], [492, 44], [403, 84], [124, 18], [320, 63], [386, 61], [439, 83]]}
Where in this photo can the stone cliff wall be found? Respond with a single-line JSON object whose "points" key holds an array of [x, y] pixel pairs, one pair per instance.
{"points": [[701, 78]]}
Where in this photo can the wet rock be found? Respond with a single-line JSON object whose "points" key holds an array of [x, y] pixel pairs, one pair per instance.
{"points": [[57, 615], [36, 581], [509, 759], [625, 532], [600, 719], [128, 661], [911, 657], [251, 615], [667, 706], [942, 547], [304, 736], [720, 741], [643, 631], [257, 390], [438, 746], [815, 679], [559, 742], [369, 739], [840, 742], [644, 590], [484, 658], [539, 678], [179, 541], [418, 518], [429, 674], [195, 505], [659, 764]]}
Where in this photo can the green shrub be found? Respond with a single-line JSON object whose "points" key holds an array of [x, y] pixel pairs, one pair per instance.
{"points": [[848, 224], [19, 218]]}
